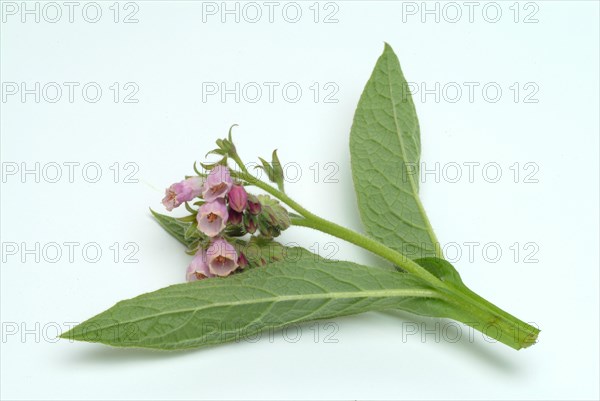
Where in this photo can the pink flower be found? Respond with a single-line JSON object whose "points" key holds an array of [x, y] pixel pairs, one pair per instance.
{"points": [[198, 268], [183, 191], [212, 217], [222, 257], [218, 183], [238, 197]]}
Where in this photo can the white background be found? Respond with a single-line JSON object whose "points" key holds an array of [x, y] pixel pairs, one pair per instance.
{"points": [[169, 53]]}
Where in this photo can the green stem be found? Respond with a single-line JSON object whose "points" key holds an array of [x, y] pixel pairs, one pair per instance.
{"points": [[238, 161], [367, 243], [473, 309], [318, 223]]}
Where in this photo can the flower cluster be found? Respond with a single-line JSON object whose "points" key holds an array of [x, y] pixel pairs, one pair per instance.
{"points": [[225, 210]]}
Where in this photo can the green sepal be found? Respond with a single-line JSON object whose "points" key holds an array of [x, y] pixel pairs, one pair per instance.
{"points": [[277, 171]]}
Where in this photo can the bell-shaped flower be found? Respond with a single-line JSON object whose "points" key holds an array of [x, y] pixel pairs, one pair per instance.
{"points": [[183, 191], [198, 268], [218, 183], [212, 217], [222, 257]]}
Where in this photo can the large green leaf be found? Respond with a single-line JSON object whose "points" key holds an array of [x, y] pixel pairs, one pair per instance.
{"points": [[385, 149], [218, 310]]}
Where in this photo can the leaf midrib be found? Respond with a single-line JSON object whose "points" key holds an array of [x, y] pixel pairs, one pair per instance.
{"points": [[283, 298], [413, 188]]}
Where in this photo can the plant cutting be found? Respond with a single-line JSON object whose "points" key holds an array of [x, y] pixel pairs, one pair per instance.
{"points": [[241, 281]]}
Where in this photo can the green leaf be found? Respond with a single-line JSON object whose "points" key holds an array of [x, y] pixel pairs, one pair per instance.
{"points": [[385, 149], [187, 219], [173, 226], [219, 310], [192, 233]]}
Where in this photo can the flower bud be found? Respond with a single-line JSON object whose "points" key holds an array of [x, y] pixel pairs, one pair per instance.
{"points": [[266, 228], [242, 261], [235, 218], [250, 223], [238, 198], [273, 218], [254, 206]]}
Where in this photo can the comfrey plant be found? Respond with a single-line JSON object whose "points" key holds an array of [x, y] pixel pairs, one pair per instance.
{"points": [[241, 281]]}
